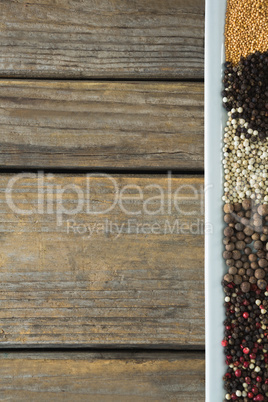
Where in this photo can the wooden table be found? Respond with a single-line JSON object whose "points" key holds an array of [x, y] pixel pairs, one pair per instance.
{"points": [[111, 86]]}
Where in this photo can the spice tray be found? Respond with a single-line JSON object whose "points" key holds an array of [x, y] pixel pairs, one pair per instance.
{"points": [[215, 119]]}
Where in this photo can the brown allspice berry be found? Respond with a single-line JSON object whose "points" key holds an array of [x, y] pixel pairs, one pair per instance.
{"points": [[237, 279], [255, 236], [263, 263], [258, 245], [228, 218], [263, 237], [240, 236], [230, 247], [261, 254], [252, 280], [244, 221], [259, 273], [245, 287], [228, 208], [263, 210], [265, 230], [226, 240], [254, 265], [228, 278], [240, 245], [248, 231], [228, 231], [250, 272], [239, 227], [261, 284], [248, 214], [252, 257], [236, 254], [237, 206], [232, 270], [238, 264], [247, 250], [241, 271], [227, 255], [246, 204], [258, 224]]}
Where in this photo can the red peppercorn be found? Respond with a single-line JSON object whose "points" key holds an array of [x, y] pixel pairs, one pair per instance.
{"points": [[224, 343], [246, 303], [242, 359], [252, 356], [250, 395], [259, 397], [238, 373], [248, 380], [258, 325], [246, 351], [234, 397], [228, 375], [246, 315], [246, 364], [258, 291], [258, 379], [254, 389], [228, 327]]}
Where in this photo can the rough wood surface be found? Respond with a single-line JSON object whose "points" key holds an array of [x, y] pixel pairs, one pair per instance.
{"points": [[141, 287], [102, 377], [111, 125], [102, 39]]}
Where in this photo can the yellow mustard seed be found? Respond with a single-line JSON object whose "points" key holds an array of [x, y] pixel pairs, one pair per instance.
{"points": [[246, 28]]}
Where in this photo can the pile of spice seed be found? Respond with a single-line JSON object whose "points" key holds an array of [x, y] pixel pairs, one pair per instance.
{"points": [[245, 164], [245, 150], [246, 301], [246, 28]]}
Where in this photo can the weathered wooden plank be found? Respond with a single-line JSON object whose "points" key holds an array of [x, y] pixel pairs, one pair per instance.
{"points": [[102, 39], [104, 125], [102, 377], [129, 276]]}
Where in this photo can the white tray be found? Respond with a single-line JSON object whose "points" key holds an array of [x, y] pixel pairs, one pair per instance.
{"points": [[215, 118]]}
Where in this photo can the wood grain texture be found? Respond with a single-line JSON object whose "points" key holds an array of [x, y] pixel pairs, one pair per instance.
{"points": [[101, 125], [102, 39], [140, 285], [102, 377]]}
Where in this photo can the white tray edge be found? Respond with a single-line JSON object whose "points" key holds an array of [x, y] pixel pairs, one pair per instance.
{"points": [[215, 117]]}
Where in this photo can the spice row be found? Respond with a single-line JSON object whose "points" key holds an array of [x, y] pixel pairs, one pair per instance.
{"points": [[245, 196]]}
